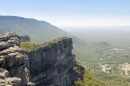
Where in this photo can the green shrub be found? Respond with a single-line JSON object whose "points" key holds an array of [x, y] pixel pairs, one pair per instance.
{"points": [[32, 45], [89, 79], [29, 45]]}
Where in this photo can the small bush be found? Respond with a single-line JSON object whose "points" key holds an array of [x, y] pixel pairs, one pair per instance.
{"points": [[29, 45]]}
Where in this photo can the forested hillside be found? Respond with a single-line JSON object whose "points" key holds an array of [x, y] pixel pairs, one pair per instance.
{"points": [[36, 30]]}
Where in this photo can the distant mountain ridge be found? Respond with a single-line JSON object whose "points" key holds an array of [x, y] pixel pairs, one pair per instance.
{"points": [[36, 30]]}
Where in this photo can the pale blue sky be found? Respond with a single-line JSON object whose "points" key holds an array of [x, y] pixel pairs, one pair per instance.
{"points": [[71, 13]]}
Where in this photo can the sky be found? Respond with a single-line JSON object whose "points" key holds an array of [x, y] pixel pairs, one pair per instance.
{"points": [[71, 13]]}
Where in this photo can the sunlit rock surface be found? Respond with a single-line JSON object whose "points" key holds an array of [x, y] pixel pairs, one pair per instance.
{"points": [[13, 60]]}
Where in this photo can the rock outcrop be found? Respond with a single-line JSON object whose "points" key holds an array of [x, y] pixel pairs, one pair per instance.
{"points": [[53, 64], [50, 64], [13, 60]]}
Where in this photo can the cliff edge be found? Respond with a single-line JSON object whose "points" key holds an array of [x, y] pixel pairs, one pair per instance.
{"points": [[53, 64], [49, 64]]}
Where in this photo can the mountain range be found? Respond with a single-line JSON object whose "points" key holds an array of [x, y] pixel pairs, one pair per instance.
{"points": [[37, 30]]}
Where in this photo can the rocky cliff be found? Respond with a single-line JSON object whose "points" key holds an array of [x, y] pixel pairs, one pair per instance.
{"points": [[49, 64], [53, 64], [13, 60]]}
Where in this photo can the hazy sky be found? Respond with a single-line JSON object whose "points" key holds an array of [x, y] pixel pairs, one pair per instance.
{"points": [[71, 13]]}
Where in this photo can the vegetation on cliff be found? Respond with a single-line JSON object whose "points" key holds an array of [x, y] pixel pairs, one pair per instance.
{"points": [[34, 45], [89, 79], [29, 45]]}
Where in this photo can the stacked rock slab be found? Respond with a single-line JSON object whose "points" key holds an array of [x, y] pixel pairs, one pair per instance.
{"points": [[13, 71]]}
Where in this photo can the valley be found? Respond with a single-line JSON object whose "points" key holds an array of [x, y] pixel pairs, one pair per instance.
{"points": [[107, 58]]}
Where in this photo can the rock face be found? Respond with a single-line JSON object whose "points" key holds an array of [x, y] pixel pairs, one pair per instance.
{"points": [[13, 60], [54, 64], [50, 64], [24, 38]]}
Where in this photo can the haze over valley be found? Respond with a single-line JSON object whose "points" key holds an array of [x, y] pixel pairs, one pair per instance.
{"points": [[65, 43]]}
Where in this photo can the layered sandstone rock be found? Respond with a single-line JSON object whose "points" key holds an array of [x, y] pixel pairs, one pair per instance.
{"points": [[13, 60]]}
